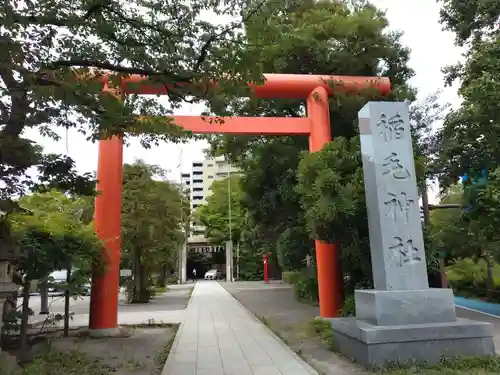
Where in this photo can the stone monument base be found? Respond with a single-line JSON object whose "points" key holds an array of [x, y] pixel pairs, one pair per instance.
{"points": [[375, 346], [400, 307]]}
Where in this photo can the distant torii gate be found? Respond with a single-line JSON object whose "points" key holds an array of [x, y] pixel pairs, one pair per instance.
{"points": [[315, 89]]}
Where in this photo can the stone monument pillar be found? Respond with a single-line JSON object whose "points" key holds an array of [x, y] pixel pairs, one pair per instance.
{"points": [[402, 319]]}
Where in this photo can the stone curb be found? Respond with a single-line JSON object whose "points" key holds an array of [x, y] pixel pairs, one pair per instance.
{"points": [[173, 348]]}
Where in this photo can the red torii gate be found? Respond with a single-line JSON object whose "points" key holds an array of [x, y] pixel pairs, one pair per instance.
{"points": [[315, 89]]}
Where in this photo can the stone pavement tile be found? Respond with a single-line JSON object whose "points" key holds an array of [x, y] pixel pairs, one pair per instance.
{"points": [[210, 371], [266, 370], [185, 356], [227, 340], [209, 357], [239, 370], [180, 369]]}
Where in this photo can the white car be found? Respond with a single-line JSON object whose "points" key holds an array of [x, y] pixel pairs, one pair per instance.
{"points": [[213, 274]]}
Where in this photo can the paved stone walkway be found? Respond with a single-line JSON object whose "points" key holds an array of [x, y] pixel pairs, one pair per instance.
{"points": [[220, 337]]}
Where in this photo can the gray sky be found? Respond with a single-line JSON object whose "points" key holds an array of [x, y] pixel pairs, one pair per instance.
{"points": [[431, 48]]}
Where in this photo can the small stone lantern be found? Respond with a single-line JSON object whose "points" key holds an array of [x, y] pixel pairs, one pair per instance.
{"points": [[7, 255], [7, 286]]}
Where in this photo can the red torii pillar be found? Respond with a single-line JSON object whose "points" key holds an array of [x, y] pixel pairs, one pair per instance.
{"points": [[316, 89], [107, 223], [327, 255]]}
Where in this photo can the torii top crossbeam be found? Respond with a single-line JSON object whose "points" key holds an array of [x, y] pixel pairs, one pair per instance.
{"points": [[283, 86], [315, 89]]}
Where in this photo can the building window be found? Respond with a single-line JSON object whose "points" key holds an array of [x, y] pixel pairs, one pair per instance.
{"points": [[185, 175], [188, 182], [197, 181], [196, 206], [210, 165], [197, 173], [198, 232], [197, 164], [210, 176], [197, 189], [197, 197], [222, 174]]}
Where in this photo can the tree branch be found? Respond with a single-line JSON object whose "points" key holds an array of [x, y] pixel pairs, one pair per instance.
{"points": [[138, 24], [205, 48], [19, 104], [54, 21], [117, 68]]}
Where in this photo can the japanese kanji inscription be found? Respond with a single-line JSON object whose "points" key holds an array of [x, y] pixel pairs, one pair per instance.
{"points": [[391, 127], [396, 240]]}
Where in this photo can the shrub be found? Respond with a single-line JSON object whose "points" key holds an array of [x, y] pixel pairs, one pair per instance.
{"points": [[172, 280], [321, 328], [349, 308], [291, 277], [467, 274], [469, 279], [306, 286], [292, 247], [251, 267]]}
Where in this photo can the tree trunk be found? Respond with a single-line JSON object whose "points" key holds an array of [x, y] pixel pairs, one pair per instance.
{"points": [[143, 283], [140, 293], [490, 282], [425, 202], [44, 298], [23, 334], [136, 270], [162, 282], [66, 304]]}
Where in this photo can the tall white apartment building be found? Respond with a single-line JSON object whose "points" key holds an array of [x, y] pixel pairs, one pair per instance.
{"points": [[198, 185]]}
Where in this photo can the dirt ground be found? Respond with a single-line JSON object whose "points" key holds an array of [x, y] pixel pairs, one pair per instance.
{"points": [[143, 351], [275, 305]]}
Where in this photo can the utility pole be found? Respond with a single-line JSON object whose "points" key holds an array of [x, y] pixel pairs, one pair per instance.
{"points": [[230, 219], [183, 247], [238, 260]]}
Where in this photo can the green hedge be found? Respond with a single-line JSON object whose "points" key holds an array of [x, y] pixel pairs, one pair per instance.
{"points": [[172, 280], [468, 279], [291, 277], [306, 287]]}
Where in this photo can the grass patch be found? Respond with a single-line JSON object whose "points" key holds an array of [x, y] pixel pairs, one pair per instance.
{"points": [[450, 366], [272, 327], [150, 324], [316, 328], [59, 361], [322, 329], [162, 357], [160, 289], [8, 366], [70, 362]]}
